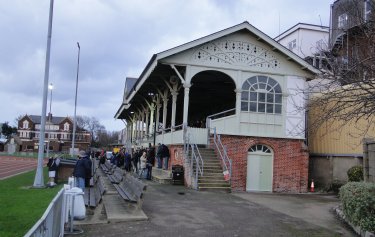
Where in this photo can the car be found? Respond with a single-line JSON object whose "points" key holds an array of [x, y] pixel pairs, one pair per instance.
{"points": [[108, 155]]}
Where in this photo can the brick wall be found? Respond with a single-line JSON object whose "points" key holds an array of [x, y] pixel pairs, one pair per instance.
{"points": [[290, 164]]}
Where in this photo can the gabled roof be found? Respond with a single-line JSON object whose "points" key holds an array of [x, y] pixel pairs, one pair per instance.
{"points": [[243, 26], [298, 26], [36, 119]]}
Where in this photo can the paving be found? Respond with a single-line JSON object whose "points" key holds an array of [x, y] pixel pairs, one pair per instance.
{"points": [[173, 210]]}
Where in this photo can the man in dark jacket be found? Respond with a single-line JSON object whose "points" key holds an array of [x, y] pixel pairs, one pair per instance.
{"points": [[159, 156], [150, 161], [82, 170], [165, 152]]}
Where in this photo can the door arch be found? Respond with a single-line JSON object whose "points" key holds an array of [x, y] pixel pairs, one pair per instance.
{"points": [[259, 168]]}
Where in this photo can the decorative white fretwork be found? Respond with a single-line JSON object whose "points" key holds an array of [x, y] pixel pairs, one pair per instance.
{"points": [[238, 53]]}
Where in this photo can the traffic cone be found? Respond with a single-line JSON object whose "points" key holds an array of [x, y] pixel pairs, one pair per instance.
{"points": [[312, 186]]}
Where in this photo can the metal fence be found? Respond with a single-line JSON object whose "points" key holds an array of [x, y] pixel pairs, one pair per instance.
{"points": [[52, 223]]}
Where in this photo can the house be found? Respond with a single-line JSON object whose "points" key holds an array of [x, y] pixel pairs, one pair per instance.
{"points": [[236, 87], [336, 145], [58, 134], [307, 41]]}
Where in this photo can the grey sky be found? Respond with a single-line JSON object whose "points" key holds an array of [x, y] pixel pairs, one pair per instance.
{"points": [[117, 39]]}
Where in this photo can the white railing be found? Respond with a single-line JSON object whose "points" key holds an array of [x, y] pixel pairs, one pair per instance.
{"points": [[222, 151], [176, 135], [52, 222]]}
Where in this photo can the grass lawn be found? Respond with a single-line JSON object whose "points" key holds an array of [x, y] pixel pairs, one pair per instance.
{"points": [[21, 206]]}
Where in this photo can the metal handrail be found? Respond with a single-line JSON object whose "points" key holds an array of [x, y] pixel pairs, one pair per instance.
{"points": [[198, 161], [221, 149]]}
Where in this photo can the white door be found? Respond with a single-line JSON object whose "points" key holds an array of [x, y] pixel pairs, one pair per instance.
{"points": [[259, 169]]}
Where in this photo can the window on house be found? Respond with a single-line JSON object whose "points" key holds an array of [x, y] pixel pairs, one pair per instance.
{"points": [[343, 21], [261, 94], [292, 44], [66, 126], [368, 9], [260, 148], [25, 124]]}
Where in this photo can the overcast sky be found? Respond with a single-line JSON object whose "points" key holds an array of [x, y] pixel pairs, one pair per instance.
{"points": [[117, 38]]}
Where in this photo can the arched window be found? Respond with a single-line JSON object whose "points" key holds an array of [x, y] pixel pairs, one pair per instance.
{"points": [[25, 124], [66, 126], [260, 148], [261, 94]]}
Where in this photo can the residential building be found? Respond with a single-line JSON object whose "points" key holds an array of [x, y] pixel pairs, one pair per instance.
{"points": [[307, 41], [238, 87], [58, 134], [336, 145]]}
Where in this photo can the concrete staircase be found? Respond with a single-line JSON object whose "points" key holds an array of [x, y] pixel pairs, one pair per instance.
{"points": [[213, 178]]}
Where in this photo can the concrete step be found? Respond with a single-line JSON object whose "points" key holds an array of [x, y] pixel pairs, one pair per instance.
{"points": [[161, 176], [224, 184], [215, 189]]}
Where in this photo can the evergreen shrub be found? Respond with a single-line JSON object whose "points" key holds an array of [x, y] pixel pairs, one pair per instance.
{"points": [[358, 201], [355, 174]]}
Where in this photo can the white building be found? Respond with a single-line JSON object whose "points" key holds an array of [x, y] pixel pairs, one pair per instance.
{"points": [[237, 83]]}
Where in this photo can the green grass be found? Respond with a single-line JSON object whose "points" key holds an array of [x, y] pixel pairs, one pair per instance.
{"points": [[21, 206]]}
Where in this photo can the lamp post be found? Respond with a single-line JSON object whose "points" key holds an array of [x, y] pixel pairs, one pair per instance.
{"points": [[75, 103], [39, 180], [50, 87]]}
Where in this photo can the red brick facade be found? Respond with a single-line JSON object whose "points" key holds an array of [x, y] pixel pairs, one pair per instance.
{"points": [[290, 162]]}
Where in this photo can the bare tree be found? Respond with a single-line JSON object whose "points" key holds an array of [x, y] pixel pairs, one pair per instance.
{"points": [[90, 124], [345, 92]]}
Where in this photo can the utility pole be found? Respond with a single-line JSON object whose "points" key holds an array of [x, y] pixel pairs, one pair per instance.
{"points": [[75, 104]]}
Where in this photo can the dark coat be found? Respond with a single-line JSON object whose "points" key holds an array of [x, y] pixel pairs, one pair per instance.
{"points": [[82, 168]]}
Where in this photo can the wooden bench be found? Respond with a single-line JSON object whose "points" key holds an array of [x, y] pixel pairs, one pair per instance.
{"points": [[93, 195], [117, 176], [131, 189], [107, 167]]}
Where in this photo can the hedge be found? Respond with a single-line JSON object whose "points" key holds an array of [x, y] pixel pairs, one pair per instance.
{"points": [[358, 200]]}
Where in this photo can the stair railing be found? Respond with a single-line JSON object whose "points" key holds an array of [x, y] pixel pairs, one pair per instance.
{"points": [[193, 150], [199, 163], [222, 151]]}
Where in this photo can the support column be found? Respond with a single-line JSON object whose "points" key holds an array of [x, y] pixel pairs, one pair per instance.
{"points": [[142, 125], [186, 103], [151, 125], [165, 106], [174, 101], [147, 121], [158, 106], [238, 106]]}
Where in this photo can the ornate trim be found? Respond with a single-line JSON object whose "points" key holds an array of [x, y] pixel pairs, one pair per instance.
{"points": [[240, 53]]}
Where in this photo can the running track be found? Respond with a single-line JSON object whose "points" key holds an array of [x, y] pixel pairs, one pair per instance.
{"points": [[10, 166]]}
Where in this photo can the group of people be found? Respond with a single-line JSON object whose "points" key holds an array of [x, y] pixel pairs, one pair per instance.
{"points": [[140, 162]]}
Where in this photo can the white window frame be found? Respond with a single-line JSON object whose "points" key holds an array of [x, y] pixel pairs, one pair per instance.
{"points": [[367, 9], [292, 44], [25, 124], [342, 21]]}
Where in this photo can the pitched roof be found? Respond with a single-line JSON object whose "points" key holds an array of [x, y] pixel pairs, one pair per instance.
{"points": [[37, 119], [243, 26]]}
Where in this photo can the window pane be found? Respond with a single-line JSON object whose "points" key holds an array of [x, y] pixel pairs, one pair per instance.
{"points": [[245, 95], [262, 86], [278, 98], [277, 109], [262, 97], [278, 89], [268, 88], [253, 96], [259, 147], [270, 108], [261, 107], [271, 82], [252, 80], [262, 79], [244, 106], [270, 98], [245, 86], [253, 107]]}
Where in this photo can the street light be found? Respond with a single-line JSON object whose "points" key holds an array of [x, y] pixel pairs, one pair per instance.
{"points": [[39, 180], [50, 87], [75, 103]]}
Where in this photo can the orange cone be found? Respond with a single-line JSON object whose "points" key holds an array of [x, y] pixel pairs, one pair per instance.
{"points": [[312, 186]]}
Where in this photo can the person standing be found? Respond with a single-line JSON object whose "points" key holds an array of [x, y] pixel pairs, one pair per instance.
{"points": [[143, 161], [159, 156], [128, 165], [81, 170], [150, 161], [52, 165], [165, 152]]}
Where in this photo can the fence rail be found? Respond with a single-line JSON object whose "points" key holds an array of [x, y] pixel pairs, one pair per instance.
{"points": [[52, 223]]}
